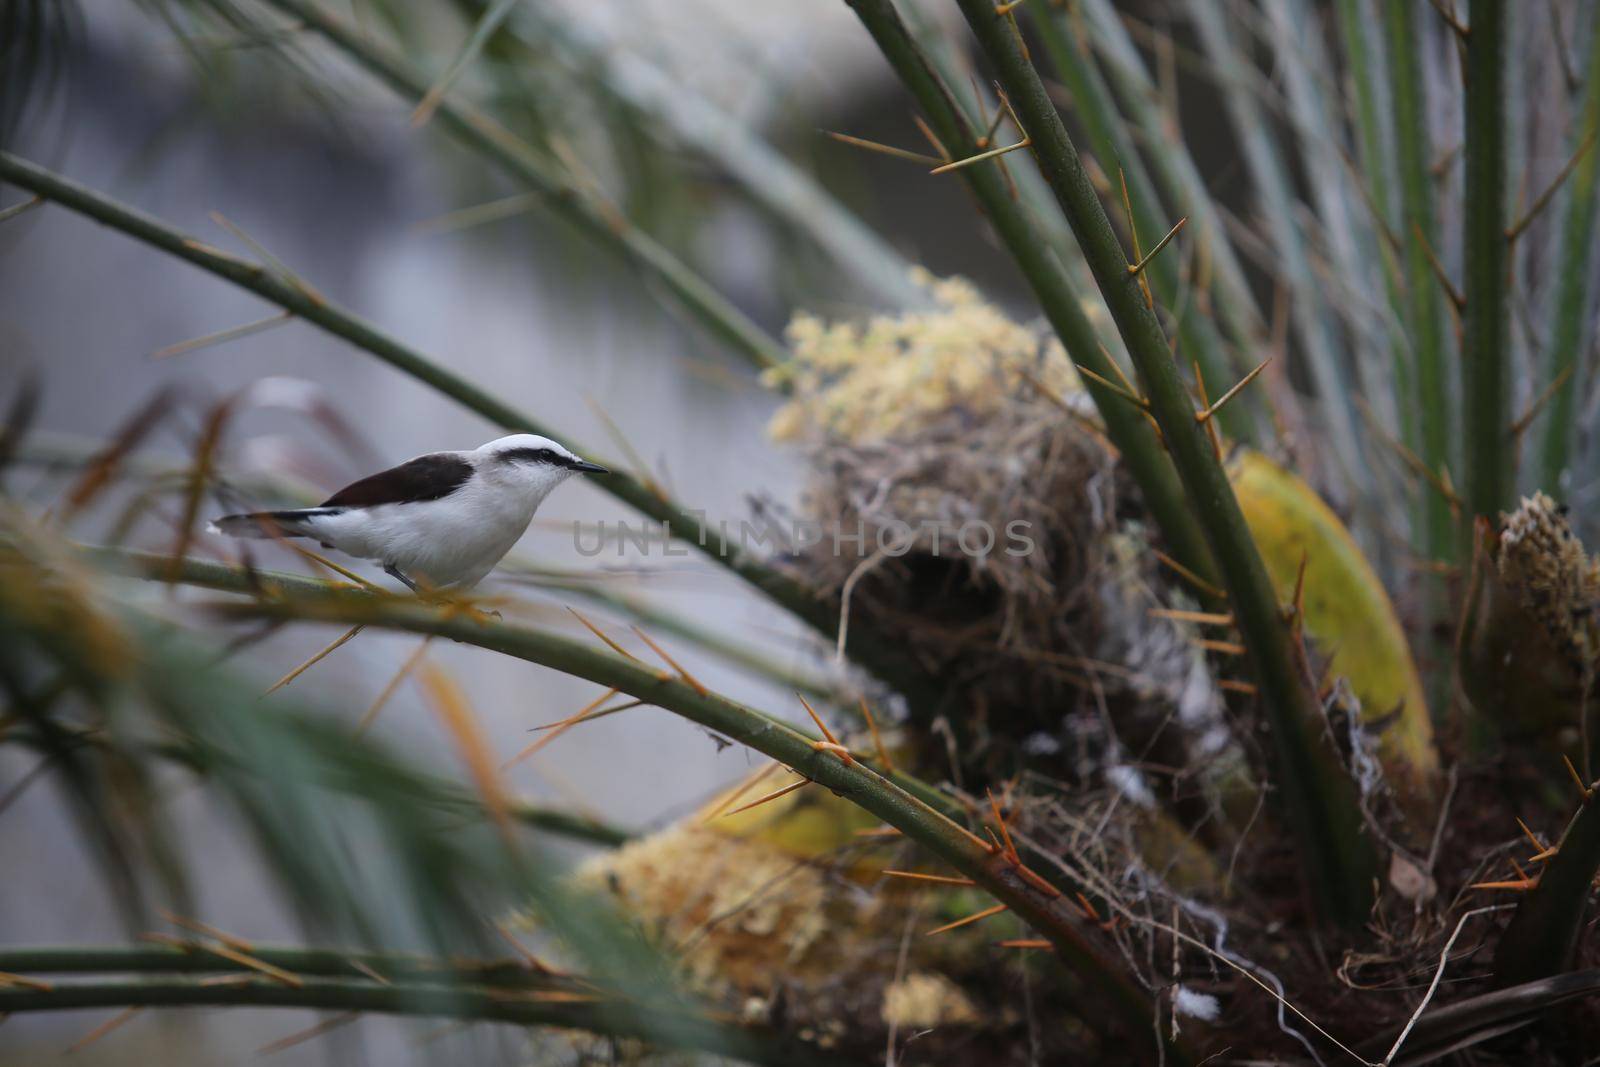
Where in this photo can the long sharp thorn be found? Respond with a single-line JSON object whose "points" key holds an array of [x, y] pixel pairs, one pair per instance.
{"points": [[748, 784], [1137, 401], [1203, 416], [1586, 791], [933, 139], [244, 959], [981, 156], [1539, 846], [1010, 849], [559, 728], [306, 553], [18, 209], [774, 795], [827, 733], [277, 265], [974, 917], [877, 739], [940, 879], [1024, 942], [1516, 885], [314, 660], [1138, 268], [1233, 685], [123, 1016], [394, 684], [198, 927], [592, 628], [1226, 648], [884, 149], [230, 334], [309, 1033], [1455, 295], [1520, 427], [1516, 230], [1190, 576], [688, 678], [1213, 618]]}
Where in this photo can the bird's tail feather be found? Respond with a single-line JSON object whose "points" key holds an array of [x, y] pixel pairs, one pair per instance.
{"points": [[268, 523]]}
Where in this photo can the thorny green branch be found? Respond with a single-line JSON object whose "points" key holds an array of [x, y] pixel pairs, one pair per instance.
{"points": [[1127, 427], [605, 225], [871, 652], [1320, 797], [900, 801], [519, 1007], [1486, 363], [1430, 399]]}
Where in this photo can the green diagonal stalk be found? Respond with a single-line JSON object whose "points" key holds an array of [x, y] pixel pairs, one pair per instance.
{"points": [[562, 194], [1486, 384], [765, 175], [493, 1004], [1374, 108], [899, 800], [1269, 177], [1175, 169], [183, 958], [1434, 533], [1337, 859], [1543, 933], [1125, 424], [1569, 313], [1111, 142], [871, 652]]}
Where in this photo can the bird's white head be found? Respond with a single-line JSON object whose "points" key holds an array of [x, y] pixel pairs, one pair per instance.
{"points": [[532, 463]]}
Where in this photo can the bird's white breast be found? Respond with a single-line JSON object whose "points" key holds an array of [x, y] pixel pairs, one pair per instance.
{"points": [[453, 541]]}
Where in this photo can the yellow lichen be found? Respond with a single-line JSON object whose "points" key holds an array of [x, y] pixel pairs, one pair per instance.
{"points": [[863, 382]]}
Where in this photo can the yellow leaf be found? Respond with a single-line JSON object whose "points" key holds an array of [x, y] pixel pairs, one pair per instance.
{"points": [[1348, 615]]}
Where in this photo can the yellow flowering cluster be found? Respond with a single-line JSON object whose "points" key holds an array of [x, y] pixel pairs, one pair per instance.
{"points": [[885, 378]]}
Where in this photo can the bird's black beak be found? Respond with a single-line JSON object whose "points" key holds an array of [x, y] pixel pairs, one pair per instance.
{"points": [[583, 466]]}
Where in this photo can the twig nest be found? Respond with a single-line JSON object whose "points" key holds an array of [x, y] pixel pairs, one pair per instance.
{"points": [[963, 498]]}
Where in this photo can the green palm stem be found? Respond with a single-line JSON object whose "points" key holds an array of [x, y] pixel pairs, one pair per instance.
{"points": [[661, 102], [674, 1028], [190, 958], [874, 653], [1110, 140], [1374, 106], [1434, 532], [1486, 384], [639, 609], [1270, 178], [561, 192], [446, 794], [954, 68], [1337, 860], [1175, 169], [901, 801], [1569, 315], [1348, 233], [1543, 934], [1125, 424]]}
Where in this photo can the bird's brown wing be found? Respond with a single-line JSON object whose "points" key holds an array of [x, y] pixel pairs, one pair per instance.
{"points": [[431, 477]]}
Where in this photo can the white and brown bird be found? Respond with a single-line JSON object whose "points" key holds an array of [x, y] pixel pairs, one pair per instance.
{"points": [[440, 520]]}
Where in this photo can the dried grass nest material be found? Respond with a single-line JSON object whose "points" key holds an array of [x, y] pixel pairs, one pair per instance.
{"points": [[968, 503]]}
